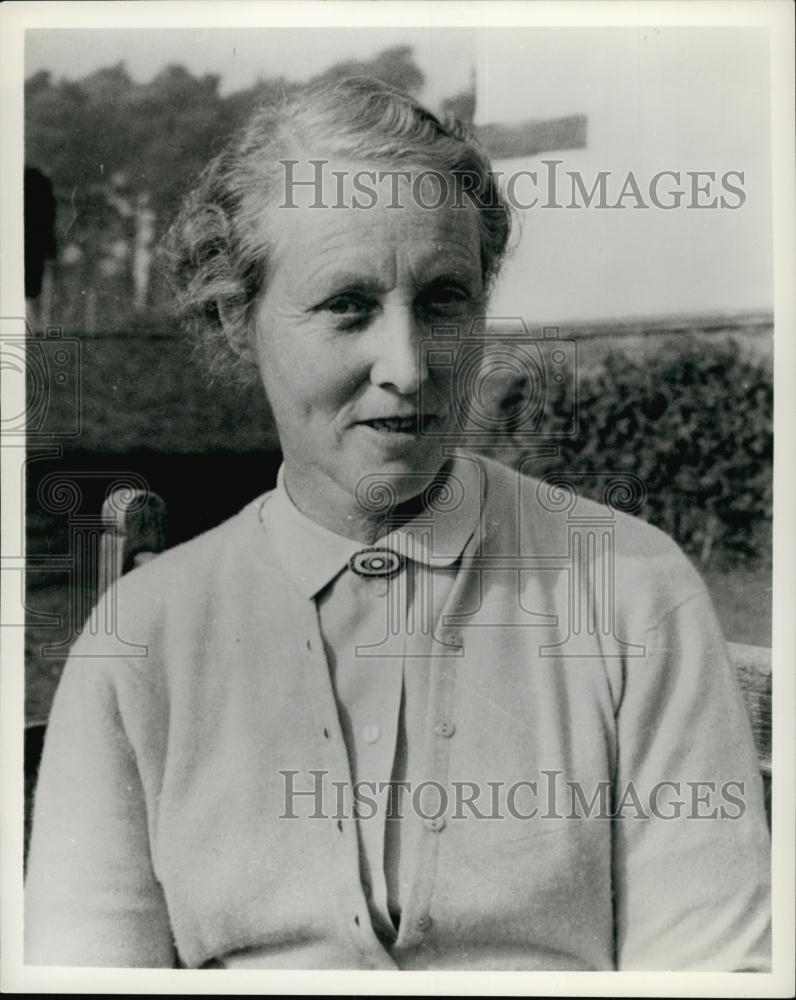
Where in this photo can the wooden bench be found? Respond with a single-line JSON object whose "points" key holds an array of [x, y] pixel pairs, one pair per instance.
{"points": [[753, 668]]}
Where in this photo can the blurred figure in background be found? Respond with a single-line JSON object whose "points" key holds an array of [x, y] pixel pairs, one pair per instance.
{"points": [[40, 247]]}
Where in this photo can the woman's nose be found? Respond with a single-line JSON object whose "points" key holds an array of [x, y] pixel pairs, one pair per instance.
{"points": [[399, 361]]}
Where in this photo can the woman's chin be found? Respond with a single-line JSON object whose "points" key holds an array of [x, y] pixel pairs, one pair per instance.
{"points": [[384, 477], [400, 453], [411, 451]]}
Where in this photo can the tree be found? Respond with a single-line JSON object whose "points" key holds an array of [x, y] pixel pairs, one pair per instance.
{"points": [[121, 155], [394, 66]]}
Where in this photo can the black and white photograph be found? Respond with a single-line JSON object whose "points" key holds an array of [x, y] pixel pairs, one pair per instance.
{"points": [[395, 576]]}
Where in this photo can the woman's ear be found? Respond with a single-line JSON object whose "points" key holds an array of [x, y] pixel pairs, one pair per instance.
{"points": [[237, 332]]}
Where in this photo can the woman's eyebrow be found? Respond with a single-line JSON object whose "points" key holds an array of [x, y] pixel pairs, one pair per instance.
{"points": [[465, 276], [336, 281], [449, 263], [453, 274]]}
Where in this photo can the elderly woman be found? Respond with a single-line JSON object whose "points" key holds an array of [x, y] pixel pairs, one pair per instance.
{"points": [[400, 711]]}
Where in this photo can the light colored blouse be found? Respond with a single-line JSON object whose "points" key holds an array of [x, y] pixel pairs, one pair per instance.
{"points": [[580, 657], [378, 633]]}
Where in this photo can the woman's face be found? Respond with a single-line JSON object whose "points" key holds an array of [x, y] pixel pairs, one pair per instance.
{"points": [[339, 338]]}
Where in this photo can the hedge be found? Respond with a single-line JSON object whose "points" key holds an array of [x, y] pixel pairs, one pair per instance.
{"points": [[694, 424], [146, 391]]}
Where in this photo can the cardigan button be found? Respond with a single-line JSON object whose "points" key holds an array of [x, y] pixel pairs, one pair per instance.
{"points": [[453, 638], [423, 923], [445, 728], [436, 825]]}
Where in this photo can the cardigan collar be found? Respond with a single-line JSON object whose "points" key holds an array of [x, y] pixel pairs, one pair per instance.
{"points": [[313, 555]]}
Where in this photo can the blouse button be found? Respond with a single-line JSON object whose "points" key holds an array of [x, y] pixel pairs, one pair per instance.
{"points": [[445, 728], [453, 639], [436, 825], [381, 587], [423, 923], [371, 734]]}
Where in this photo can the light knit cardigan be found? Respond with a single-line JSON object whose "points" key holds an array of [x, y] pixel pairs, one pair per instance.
{"points": [[157, 836]]}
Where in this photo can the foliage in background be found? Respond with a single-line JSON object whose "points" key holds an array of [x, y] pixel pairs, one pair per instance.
{"points": [[147, 393], [121, 155], [695, 425], [161, 133]]}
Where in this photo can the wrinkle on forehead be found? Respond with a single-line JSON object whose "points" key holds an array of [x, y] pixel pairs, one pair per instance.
{"points": [[374, 244]]}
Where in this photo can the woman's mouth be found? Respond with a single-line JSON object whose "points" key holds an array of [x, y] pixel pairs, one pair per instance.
{"points": [[416, 424]]}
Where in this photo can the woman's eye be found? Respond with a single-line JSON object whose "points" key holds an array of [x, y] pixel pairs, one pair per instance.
{"points": [[445, 298], [347, 306]]}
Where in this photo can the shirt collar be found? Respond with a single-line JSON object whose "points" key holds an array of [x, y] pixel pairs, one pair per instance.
{"points": [[313, 555]]}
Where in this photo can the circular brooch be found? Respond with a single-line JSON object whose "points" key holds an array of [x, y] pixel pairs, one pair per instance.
{"points": [[376, 562]]}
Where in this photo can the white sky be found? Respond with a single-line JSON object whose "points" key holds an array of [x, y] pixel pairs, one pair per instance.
{"points": [[656, 99]]}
